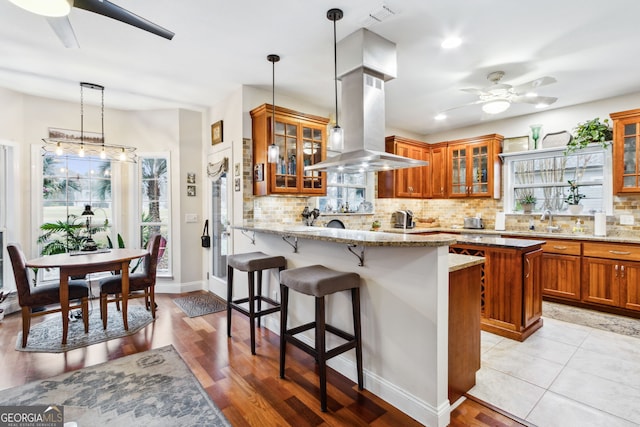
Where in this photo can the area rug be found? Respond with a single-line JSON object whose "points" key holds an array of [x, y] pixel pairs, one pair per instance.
{"points": [[46, 336], [200, 304], [595, 319], [152, 388]]}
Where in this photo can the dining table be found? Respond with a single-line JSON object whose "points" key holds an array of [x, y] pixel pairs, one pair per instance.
{"points": [[80, 263]]}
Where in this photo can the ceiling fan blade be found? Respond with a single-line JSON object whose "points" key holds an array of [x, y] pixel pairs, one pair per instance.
{"points": [[113, 11], [548, 100], [542, 81], [479, 101], [63, 29]]}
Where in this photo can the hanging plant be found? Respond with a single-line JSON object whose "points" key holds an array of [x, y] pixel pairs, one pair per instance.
{"points": [[589, 132]]}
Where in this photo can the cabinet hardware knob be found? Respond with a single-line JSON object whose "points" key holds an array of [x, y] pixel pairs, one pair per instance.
{"points": [[616, 269], [622, 271], [620, 252]]}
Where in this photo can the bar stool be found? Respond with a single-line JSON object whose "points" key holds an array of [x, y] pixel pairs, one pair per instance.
{"points": [[318, 281], [252, 263]]}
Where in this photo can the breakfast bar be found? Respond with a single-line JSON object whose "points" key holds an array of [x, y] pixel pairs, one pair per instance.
{"points": [[405, 306]]}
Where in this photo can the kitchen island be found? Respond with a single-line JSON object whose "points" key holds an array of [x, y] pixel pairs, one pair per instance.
{"points": [[405, 307]]}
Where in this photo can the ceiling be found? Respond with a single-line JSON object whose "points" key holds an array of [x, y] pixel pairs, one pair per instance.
{"points": [[590, 47]]}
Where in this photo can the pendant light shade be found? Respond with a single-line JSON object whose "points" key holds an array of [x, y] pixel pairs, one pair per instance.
{"points": [[273, 153], [336, 134]]}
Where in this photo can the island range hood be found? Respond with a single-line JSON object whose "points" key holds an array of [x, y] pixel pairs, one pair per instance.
{"points": [[366, 61]]}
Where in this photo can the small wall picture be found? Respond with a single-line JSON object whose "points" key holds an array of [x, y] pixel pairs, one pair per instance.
{"points": [[237, 184], [191, 190], [216, 132], [236, 169], [191, 178]]}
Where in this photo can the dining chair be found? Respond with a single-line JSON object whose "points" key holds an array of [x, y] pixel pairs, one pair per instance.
{"points": [[141, 285], [43, 295]]}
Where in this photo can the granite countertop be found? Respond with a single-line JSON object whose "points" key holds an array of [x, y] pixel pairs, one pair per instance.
{"points": [[460, 262], [355, 237], [496, 241], [519, 233]]}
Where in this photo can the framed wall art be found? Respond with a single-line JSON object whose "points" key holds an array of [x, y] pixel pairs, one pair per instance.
{"points": [[191, 190], [191, 178], [216, 132]]}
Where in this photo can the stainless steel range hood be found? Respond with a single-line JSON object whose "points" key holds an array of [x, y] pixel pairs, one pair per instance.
{"points": [[366, 62]]}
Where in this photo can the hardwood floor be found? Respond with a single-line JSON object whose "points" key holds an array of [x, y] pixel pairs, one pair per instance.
{"points": [[246, 388]]}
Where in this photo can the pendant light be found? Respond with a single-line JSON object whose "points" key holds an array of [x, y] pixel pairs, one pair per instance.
{"points": [[273, 153], [336, 134]]}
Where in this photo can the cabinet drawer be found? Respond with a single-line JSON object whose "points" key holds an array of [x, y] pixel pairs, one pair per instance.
{"points": [[625, 252], [564, 247]]}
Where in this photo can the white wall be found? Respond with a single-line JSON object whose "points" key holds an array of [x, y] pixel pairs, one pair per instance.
{"points": [[552, 120]]}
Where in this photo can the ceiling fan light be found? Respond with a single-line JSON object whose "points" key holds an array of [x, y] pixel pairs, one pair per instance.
{"points": [[440, 116], [53, 8], [496, 107], [542, 105]]}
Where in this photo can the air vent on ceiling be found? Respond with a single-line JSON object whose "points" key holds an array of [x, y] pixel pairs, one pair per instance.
{"points": [[377, 16]]}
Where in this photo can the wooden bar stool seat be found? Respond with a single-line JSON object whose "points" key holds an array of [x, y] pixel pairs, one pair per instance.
{"points": [[252, 263], [319, 281]]}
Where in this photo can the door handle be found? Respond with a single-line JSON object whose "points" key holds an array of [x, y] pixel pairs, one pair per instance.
{"points": [[619, 252]]}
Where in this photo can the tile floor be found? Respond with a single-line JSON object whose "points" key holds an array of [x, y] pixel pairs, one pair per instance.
{"points": [[564, 375]]}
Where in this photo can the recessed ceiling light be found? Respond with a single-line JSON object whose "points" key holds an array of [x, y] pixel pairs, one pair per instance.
{"points": [[451, 42], [440, 116]]}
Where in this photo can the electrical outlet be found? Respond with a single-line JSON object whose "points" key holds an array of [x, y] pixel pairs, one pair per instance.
{"points": [[626, 220]]}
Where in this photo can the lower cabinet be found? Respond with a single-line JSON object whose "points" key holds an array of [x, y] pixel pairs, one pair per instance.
{"points": [[561, 269], [611, 274], [512, 289]]}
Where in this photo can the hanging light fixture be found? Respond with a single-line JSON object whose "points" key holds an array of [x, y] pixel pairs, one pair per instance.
{"points": [[52, 8], [336, 134], [496, 107], [273, 153], [62, 142]]}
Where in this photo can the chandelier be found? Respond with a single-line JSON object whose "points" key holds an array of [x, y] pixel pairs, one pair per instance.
{"points": [[66, 143]]}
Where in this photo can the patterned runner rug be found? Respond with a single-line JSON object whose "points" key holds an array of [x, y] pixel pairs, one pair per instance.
{"points": [[595, 319], [46, 336], [152, 388], [200, 304]]}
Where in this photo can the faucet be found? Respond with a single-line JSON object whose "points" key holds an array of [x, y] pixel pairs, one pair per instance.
{"points": [[550, 226]]}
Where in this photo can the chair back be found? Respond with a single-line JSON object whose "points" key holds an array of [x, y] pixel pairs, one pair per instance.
{"points": [[19, 264], [151, 260]]}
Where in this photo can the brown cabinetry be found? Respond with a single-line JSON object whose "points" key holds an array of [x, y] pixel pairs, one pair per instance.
{"points": [[473, 166], [561, 269], [610, 275], [408, 182], [626, 151], [512, 289], [301, 140], [438, 170]]}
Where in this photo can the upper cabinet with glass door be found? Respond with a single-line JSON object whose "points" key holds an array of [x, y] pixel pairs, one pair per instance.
{"points": [[626, 151], [471, 166], [301, 140]]}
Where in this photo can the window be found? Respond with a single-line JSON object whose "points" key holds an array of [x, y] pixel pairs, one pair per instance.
{"points": [[545, 175], [346, 192], [155, 205], [69, 183]]}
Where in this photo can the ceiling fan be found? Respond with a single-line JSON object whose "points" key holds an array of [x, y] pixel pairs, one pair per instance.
{"points": [[57, 11], [498, 96]]}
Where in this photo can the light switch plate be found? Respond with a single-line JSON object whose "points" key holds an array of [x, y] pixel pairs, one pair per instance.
{"points": [[626, 220], [190, 217]]}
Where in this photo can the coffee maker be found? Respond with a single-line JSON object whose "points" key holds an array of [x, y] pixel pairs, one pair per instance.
{"points": [[404, 219]]}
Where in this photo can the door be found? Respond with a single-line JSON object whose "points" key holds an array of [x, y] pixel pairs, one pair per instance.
{"points": [[220, 211]]}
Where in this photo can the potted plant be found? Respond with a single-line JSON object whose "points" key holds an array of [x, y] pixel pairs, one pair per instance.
{"points": [[375, 226], [574, 197], [528, 202], [589, 132]]}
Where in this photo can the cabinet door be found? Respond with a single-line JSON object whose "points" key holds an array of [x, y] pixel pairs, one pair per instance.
{"points": [[438, 167], [285, 172], [311, 153], [410, 181], [479, 171], [600, 279], [561, 276], [532, 283], [458, 186], [626, 148], [630, 292]]}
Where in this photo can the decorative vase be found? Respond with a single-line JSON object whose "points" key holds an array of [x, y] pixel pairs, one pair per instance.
{"points": [[535, 134], [527, 207], [575, 209]]}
